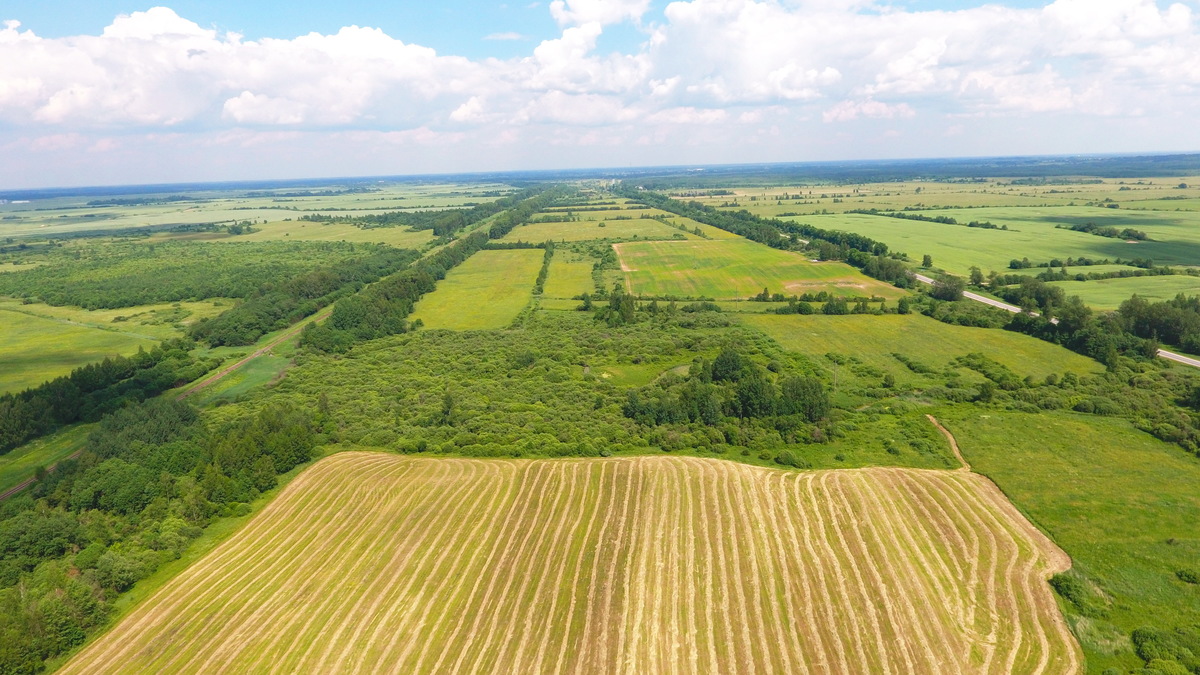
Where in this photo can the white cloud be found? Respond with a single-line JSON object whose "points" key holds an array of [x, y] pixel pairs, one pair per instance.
{"points": [[604, 12], [852, 110], [763, 69], [509, 36]]}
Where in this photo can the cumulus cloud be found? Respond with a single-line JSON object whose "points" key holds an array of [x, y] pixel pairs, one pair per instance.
{"points": [[852, 110], [744, 66]]}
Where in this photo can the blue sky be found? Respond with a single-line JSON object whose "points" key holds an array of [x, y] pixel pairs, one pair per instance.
{"points": [[105, 91]]}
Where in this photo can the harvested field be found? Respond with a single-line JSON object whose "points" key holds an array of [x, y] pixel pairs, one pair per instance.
{"points": [[372, 562]]}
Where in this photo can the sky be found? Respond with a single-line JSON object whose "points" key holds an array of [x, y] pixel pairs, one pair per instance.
{"points": [[102, 92]]}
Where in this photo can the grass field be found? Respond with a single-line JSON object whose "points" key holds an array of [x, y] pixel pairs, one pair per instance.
{"points": [[873, 339], [570, 275], [1122, 504], [736, 268], [585, 230], [486, 291], [23, 462], [162, 321], [1110, 293], [35, 349], [627, 566], [1032, 235], [400, 237]]}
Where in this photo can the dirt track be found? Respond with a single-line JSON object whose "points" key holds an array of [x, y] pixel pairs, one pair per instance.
{"points": [[371, 562]]}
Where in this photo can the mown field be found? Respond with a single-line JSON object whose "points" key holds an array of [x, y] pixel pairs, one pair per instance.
{"points": [[873, 340], [486, 291], [736, 268], [1122, 503], [570, 276], [638, 565]]}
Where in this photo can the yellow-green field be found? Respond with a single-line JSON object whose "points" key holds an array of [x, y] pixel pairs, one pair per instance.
{"points": [[873, 339], [369, 562], [570, 276], [35, 349], [584, 230], [486, 291], [736, 268], [400, 237]]}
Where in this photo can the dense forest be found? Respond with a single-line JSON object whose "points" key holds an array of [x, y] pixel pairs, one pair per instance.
{"points": [[130, 273]]}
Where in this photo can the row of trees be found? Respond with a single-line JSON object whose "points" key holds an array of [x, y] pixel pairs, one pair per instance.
{"points": [[382, 308], [444, 223], [91, 391], [278, 304]]}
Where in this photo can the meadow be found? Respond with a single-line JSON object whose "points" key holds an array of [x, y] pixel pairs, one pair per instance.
{"points": [[1123, 504], [570, 276], [485, 292], [1108, 294], [34, 349], [616, 560], [736, 268], [587, 230], [873, 340]]}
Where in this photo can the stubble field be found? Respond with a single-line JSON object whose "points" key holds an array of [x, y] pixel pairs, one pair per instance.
{"points": [[371, 562]]}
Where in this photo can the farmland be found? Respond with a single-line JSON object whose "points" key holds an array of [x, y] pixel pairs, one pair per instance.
{"points": [[485, 292], [1110, 293], [735, 269], [873, 339], [34, 349], [648, 549]]}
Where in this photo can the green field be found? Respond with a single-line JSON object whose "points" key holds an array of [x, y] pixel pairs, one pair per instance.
{"points": [[585, 230], [34, 349], [21, 464], [873, 339], [400, 237], [1123, 505], [486, 291], [162, 320], [570, 276], [736, 268], [1108, 294], [1031, 234]]}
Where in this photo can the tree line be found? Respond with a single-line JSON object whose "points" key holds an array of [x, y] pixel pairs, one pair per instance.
{"points": [[382, 309], [150, 478], [92, 391]]}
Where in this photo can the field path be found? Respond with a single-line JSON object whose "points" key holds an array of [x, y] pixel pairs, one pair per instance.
{"points": [[953, 443], [279, 339], [370, 562]]}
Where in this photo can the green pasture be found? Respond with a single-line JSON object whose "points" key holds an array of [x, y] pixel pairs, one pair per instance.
{"points": [[21, 463], [294, 230], [486, 291], [736, 268], [34, 349], [1122, 504], [955, 248], [55, 217], [873, 340], [1107, 294], [570, 276], [586, 230], [161, 321]]}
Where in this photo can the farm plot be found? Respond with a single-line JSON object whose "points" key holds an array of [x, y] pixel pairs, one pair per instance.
{"points": [[370, 562], [486, 291], [586, 230], [736, 268], [873, 339], [35, 349], [1110, 293], [570, 275]]}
